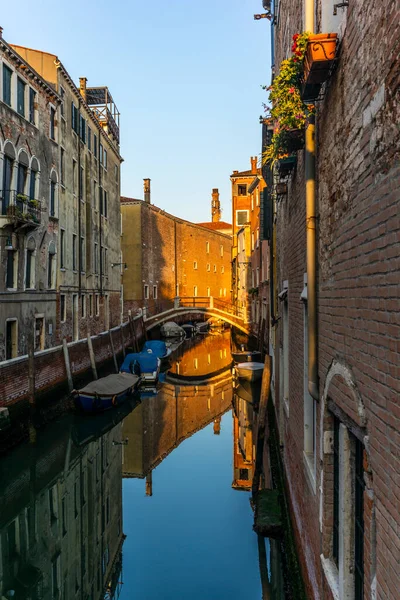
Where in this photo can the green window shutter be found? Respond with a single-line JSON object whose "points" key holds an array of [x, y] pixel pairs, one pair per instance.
{"points": [[7, 74]]}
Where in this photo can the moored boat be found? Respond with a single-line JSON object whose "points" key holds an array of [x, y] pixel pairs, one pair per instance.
{"points": [[246, 356], [172, 330], [158, 347], [144, 364], [251, 371], [189, 329], [105, 393]]}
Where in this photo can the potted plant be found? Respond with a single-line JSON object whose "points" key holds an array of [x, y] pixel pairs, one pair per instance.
{"points": [[319, 57], [288, 111], [33, 203]]}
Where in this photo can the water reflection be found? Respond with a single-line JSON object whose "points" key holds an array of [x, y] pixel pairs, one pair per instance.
{"points": [[61, 519], [63, 524]]}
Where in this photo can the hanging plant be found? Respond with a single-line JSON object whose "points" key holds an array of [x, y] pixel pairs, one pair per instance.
{"points": [[288, 110]]}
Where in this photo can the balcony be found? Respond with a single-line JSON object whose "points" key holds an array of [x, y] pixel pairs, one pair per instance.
{"points": [[102, 104], [19, 210]]}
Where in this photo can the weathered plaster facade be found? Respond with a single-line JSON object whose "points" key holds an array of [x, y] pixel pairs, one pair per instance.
{"points": [[29, 187]]}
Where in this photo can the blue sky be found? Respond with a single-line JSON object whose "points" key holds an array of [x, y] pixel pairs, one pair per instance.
{"points": [[185, 76]]}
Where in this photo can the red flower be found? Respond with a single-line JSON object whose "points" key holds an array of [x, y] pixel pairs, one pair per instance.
{"points": [[291, 90], [296, 35], [294, 47], [298, 53]]}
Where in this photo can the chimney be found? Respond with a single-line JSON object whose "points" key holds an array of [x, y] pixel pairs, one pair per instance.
{"points": [[215, 206], [146, 186], [254, 161], [149, 484], [82, 87]]}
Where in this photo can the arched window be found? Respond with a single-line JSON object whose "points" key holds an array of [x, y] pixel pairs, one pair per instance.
{"points": [[34, 180], [9, 158]]}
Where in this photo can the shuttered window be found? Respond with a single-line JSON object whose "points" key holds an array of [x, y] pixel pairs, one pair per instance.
{"points": [[7, 75]]}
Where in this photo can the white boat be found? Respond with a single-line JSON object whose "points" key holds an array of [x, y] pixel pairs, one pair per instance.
{"points": [[251, 371]]}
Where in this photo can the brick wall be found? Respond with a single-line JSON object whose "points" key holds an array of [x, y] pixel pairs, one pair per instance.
{"points": [[358, 177]]}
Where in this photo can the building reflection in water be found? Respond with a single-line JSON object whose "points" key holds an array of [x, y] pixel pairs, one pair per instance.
{"points": [[245, 414], [197, 391], [61, 515]]}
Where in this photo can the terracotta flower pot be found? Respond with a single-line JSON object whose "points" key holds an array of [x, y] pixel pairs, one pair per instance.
{"points": [[321, 52]]}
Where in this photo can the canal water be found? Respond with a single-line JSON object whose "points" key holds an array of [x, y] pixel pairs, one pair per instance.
{"points": [[148, 501]]}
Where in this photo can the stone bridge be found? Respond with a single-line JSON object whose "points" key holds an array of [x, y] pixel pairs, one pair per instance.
{"points": [[193, 309]]}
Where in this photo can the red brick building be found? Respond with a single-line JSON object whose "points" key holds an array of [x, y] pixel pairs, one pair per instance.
{"points": [[167, 257], [341, 445]]}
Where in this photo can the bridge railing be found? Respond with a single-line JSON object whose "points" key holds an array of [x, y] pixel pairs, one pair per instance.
{"points": [[155, 307]]}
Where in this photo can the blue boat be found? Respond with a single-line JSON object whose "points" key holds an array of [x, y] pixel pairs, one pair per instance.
{"points": [[144, 364], [158, 347], [107, 392]]}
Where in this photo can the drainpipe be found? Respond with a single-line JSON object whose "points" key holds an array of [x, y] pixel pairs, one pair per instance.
{"points": [[79, 203], [311, 231], [101, 204]]}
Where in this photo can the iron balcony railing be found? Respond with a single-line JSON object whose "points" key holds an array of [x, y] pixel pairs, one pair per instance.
{"points": [[19, 207]]}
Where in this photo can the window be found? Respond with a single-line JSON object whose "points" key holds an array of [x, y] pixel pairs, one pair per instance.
{"points": [[30, 269], [53, 504], [90, 305], [81, 182], [82, 129], [74, 252], [146, 292], [74, 117], [82, 255], [116, 172], [195, 290], [62, 106], [62, 248], [208, 267], [106, 262], [21, 97], [32, 184], [11, 278], [155, 292], [222, 269], [105, 158], [32, 101], [208, 292], [97, 305], [242, 190], [101, 154], [221, 250], [83, 306], [252, 240], [11, 339], [52, 123], [64, 516], [52, 198], [89, 138], [215, 268], [62, 166], [359, 520], [96, 258], [95, 199], [105, 203], [95, 145], [63, 312], [220, 292], [242, 217], [336, 491], [208, 247], [101, 200], [74, 176], [50, 266], [224, 291], [195, 264], [55, 577], [7, 76]]}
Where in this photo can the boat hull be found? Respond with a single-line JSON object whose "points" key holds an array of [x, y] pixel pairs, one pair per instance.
{"points": [[95, 403], [251, 371], [246, 356]]}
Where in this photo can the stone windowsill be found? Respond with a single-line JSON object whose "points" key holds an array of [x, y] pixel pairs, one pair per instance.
{"points": [[332, 576]]}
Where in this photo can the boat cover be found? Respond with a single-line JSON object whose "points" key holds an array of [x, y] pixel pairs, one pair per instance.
{"points": [[148, 362], [158, 347], [110, 385], [171, 329]]}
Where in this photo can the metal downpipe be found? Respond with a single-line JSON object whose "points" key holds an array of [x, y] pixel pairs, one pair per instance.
{"points": [[311, 237]]}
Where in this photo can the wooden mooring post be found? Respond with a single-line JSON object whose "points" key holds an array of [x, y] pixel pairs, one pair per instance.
{"points": [[113, 351], [68, 365], [91, 354], [31, 386]]}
